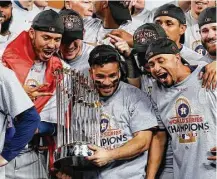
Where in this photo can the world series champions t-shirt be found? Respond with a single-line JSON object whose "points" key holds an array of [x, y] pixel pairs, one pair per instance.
{"points": [[188, 112], [127, 111]]}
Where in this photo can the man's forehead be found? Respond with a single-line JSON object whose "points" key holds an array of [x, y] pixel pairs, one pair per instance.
{"points": [[53, 35], [160, 56], [108, 68], [211, 25], [165, 18]]}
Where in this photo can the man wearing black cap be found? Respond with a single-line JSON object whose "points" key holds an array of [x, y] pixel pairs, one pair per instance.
{"points": [[192, 34], [187, 110], [132, 106], [173, 21], [207, 24], [142, 37], [31, 57], [126, 120], [73, 50]]}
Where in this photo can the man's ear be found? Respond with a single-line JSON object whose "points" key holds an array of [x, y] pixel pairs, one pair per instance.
{"points": [[31, 33], [91, 73], [67, 4], [104, 4], [182, 29], [178, 57]]}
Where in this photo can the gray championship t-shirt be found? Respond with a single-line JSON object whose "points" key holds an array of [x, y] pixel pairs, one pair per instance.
{"points": [[192, 57], [80, 63], [188, 112], [146, 86], [207, 59], [127, 111]]}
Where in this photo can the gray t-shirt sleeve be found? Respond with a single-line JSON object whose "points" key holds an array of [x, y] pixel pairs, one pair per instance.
{"points": [[141, 114], [14, 97]]}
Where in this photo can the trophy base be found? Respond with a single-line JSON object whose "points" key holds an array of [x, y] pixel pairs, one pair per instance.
{"points": [[72, 157]]}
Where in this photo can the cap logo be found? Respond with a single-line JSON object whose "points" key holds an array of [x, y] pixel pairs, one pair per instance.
{"points": [[51, 29], [208, 19], [150, 54], [124, 3], [72, 22], [164, 12], [96, 56], [173, 48], [143, 35]]}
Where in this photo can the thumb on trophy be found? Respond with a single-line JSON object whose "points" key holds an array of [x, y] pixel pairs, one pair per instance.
{"points": [[93, 147]]}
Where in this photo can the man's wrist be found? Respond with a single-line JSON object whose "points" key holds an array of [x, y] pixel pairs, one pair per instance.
{"points": [[3, 161]]}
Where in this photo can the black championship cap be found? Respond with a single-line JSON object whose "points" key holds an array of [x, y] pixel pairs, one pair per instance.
{"points": [[119, 10], [73, 25], [207, 16], [172, 11], [48, 21], [5, 3], [145, 34], [103, 54], [163, 46]]}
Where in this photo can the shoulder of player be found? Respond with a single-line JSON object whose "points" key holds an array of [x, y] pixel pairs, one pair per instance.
{"points": [[131, 91], [5, 74]]}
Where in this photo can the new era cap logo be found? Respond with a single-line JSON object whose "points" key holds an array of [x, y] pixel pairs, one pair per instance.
{"points": [[164, 12], [208, 19], [173, 48], [96, 56], [51, 29], [150, 54], [124, 3]]}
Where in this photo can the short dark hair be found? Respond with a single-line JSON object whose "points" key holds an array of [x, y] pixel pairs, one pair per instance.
{"points": [[103, 54]]}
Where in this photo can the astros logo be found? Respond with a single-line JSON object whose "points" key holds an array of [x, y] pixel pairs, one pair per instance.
{"points": [[182, 107], [32, 83], [104, 123]]}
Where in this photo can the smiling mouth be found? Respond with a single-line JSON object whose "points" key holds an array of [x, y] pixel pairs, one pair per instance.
{"points": [[48, 53], [212, 41], [200, 3], [162, 77]]}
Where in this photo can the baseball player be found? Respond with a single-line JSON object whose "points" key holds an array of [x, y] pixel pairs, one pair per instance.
{"points": [[192, 34], [126, 120], [34, 63], [16, 104], [187, 110], [207, 24], [73, 50]]}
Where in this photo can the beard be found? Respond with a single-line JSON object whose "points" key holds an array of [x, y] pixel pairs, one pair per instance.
{"points": [[5, 25], [211, 52]]}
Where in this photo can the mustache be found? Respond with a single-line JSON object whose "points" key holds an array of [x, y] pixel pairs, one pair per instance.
{"points": [[100, 84], [209, 39]]}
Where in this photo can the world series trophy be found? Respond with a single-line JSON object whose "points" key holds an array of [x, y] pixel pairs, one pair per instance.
{"points": [[78, 120]]}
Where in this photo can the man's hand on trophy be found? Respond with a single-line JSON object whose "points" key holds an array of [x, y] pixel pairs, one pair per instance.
{"points": [[100, 157]]}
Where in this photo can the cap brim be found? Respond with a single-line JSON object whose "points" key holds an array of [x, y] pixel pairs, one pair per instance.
{"points": [[71, 36], [140, 48], [119, 13]]}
